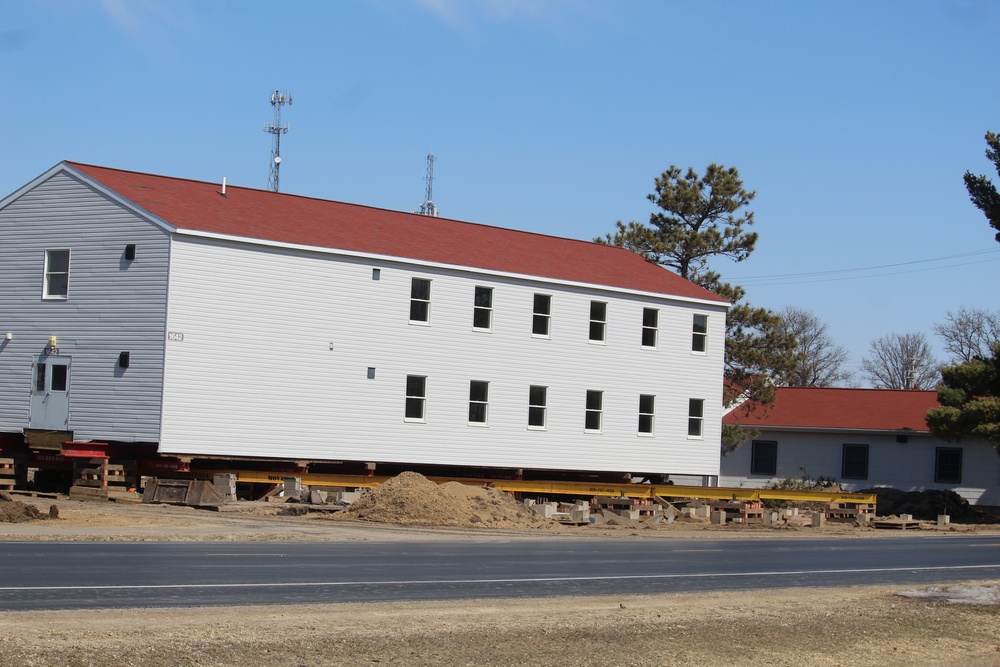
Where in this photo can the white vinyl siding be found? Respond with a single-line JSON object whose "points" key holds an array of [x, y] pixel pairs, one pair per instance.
{"points": [[274, 311]]}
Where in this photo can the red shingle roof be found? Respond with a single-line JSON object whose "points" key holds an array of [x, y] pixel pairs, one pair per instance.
{"points": [[284, 218], [852, 409]]}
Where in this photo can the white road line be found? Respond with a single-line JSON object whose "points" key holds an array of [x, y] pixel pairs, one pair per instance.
{"points": [[525, 580]]}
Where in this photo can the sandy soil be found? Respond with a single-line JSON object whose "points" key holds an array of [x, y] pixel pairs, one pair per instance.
{"points": [[849, 626]]}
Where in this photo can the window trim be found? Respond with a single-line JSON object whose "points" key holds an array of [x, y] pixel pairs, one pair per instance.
{"points": [[698, 419], [538, 408], [939, 477], [594, 412], [483, 403], [699, 338], [598, 323], [416, 399], [416, 301], [843, 462], [539, 316], [651, 330], [648, 416], [478, 309], [48, 275], [755, 458]]}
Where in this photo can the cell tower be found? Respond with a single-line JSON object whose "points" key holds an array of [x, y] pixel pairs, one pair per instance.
{"points": [[428, 207], [278, 100]]}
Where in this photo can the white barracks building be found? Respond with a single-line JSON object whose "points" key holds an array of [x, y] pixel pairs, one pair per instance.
{"points": [[206, 322]]}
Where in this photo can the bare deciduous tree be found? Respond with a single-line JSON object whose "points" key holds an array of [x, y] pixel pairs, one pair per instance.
{"points": [[970, 333], [821, 361], [901, 361]]}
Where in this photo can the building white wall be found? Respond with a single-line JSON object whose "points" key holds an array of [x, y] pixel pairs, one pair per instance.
{"points": [[907, 466], [277, 343]]}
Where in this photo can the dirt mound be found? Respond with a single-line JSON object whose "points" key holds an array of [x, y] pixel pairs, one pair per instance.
{"points": [[926, 505], [14, 511], [413, 500]]}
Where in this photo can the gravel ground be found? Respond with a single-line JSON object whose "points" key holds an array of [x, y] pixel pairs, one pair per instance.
{"points": [[848, 626]]}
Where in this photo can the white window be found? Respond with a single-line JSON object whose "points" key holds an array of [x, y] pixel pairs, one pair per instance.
{"points": [[537, 402], [416, 397], [696, 417], [56, 284], [541, 315], [595, 407], [479, 399], [650, 319], [482, 312], [420, 300], [699, 333], [598, 320], [647, 403]]}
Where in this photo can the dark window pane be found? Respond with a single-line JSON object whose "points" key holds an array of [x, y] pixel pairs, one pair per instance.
{"points": [[419, 311], [696, 407], [415, 385], [540, 325], [536, 416], [649, 317], [478, 391], [648, 337], [543, 302], [420, 288], [40, 377], [597, 331], [948, 465], [764, 457], [594, 400], [414, 408], [58, 284], [536, 395], [484, 297], [645, 423], [481, 318], [646, 402], [855, 462], [60, 376]]}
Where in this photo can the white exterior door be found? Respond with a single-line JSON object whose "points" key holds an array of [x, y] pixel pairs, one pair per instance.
{"points": [[50, 393]]}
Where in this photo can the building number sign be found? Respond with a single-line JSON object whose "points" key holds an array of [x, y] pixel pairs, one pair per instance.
{"points": [[175, 335]]}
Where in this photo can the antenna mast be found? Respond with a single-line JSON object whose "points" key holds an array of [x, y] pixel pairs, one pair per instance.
{"points": [[428, 207], [278, 100]]}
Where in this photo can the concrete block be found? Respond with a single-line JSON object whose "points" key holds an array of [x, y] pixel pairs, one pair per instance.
{"points": [[943, 519], [544, 509], [632, 515], [863, 519], [317, 497], [818, 520], [579, 514], [906, 517], [347, 497], [703, 511], [719, 518], [769, 518], [225, 484]]}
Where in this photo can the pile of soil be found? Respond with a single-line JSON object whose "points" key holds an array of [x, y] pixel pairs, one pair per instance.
{"points": [[925, 505], [14, 511], [413, 500]]}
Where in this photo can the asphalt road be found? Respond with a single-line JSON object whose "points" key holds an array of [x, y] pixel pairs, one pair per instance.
{"points": [[77, 575]]}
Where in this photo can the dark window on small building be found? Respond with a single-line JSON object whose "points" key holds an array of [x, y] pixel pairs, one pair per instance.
{"points": [[764, 457], [479, 400], [416, 397], [948, 465], [595, 408], [855, 464], [537, 406], [598, 320], [646, 412]]}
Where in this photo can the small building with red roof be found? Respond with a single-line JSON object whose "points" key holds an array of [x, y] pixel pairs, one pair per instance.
{"points": [[859, 439], [208, 320]]}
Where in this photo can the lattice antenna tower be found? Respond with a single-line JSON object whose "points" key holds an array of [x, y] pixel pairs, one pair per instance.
{"points": [[278, 100], [428, 207]]}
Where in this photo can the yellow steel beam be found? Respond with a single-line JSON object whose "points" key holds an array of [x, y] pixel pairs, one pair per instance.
{"points": [[563, 488]]}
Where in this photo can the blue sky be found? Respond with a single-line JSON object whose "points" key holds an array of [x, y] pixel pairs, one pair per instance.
{"points": [[853, 121]]}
